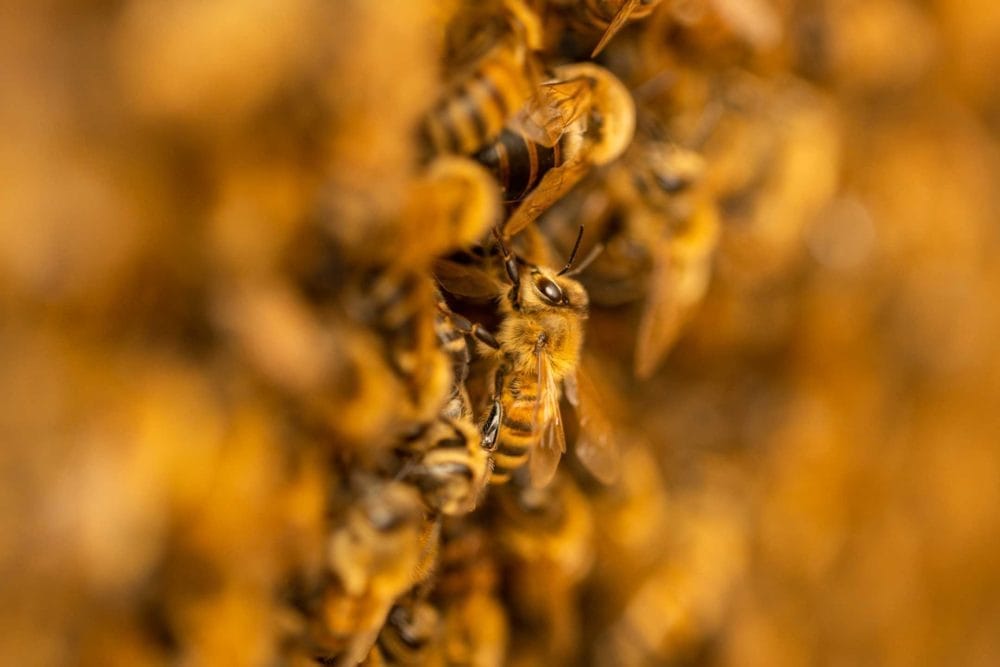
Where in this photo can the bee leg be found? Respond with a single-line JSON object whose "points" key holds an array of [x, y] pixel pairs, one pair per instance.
{"points": [[491, 427], [510, 263], [475, 330]]}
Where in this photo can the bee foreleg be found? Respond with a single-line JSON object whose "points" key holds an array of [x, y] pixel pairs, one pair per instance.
{"points": [[510, 263]]}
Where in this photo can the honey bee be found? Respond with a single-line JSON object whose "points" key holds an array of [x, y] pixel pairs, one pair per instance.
{"points": [[409, 636], [546, 536], [585, 117], [474, 622], [448, 464], [684, 598], [501, 78], [536, 353], [659, 231], [452, 471], [379, 551]]}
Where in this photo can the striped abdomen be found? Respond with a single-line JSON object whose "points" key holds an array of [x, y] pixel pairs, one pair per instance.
{"points": [[407, 634], [520, 163], [477, 110], [517, 431]]}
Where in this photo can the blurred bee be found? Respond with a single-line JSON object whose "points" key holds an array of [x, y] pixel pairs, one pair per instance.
{"points": [[474, 622], [399, 302], [547, 538], [492, 49], [409, 636], [682, 602], [450, 468], [585, 117], [659, 232], [447, 463], [588, 17], [380, 551]]}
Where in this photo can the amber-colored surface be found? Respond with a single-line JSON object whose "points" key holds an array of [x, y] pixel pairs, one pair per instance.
{"points": [[220, 352]]}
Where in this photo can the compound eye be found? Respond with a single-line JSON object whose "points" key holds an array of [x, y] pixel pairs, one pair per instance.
{"points": [[550, 290]]}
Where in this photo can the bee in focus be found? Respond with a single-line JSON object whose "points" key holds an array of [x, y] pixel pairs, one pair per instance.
{"points": [[584, 117], [535, 353]]}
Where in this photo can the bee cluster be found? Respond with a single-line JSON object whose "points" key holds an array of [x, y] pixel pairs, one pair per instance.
{"points": [[484, 332]]}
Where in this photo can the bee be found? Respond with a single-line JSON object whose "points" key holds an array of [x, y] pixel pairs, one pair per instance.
{"points": [[452, 469], [536, 353], [377, 553], [585, 117], [475, 627], [500, 80], [604, 16], [659, 231], [547, 539], [409, 636], [683, 600], [448, 464]]}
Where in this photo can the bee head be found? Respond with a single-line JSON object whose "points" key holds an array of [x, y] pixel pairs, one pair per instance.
{"points": [[547, 289]]}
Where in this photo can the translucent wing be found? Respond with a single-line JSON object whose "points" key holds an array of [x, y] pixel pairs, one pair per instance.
{"points": [[660, 322], [621, 18], [552, 109], [546, 454], [556, 183], [596, 446], [466, 281]]}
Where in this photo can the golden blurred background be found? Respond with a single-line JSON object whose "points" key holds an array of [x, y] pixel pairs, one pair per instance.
{"points": [[213, 403]]}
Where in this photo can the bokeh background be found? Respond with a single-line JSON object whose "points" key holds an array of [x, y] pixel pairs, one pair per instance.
{"points": [[811, 478]]}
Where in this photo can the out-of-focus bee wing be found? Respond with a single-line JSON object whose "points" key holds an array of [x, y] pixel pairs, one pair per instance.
{"points": [[621, 18], [660, 322], [596, 446], [552, 443], [552, 109], [466, 281], [554, 184]]}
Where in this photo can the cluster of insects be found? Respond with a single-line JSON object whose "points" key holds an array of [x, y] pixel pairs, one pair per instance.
{"points": [[370, 308], [546, 171]]}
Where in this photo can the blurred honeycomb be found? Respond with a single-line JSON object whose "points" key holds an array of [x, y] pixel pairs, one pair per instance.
{"points": [[246, 367]]}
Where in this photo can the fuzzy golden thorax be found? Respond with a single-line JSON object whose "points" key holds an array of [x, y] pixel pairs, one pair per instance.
{"points": [[549, 311]]}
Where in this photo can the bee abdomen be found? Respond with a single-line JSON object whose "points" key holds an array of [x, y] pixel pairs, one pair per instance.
{"points": [[476, 112], [517, 436], [519, 163], [403, 640]]}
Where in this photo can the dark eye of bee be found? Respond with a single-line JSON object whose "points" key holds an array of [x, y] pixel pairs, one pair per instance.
{"points": [[550, 290]]}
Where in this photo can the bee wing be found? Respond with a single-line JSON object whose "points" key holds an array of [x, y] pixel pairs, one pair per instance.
{"points": [[596, 446], [552, 109], [554, 184], [660, 322], [621, 18], [546, 454], [466, 281]]}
